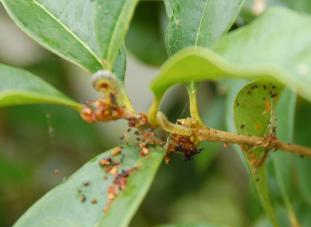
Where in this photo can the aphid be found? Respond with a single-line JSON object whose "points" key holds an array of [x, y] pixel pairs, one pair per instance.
{"points": [[183, 144], [82, 198], [86, 184], [105, 162], [116, 151], [114, 170], [143, 149], [137, 120], [136, 133], [188, 145], [102, 109], [87, 114], [119, 184], [274, 95], [56, 172], [94, 201]]}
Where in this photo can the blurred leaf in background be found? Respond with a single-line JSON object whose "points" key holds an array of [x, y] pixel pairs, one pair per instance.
{"points": [[145, 37]]}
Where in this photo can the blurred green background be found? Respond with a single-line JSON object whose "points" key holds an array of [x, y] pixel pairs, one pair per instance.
{"points": [[40, 145]]}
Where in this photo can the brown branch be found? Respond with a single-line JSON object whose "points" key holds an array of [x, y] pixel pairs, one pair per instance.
{"points": [[268, 142]]}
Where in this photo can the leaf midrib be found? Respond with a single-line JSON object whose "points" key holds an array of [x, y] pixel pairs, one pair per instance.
{"points": [[200, 24], [113, 34], [68, 30]]}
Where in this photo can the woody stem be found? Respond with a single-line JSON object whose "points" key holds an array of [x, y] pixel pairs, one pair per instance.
{"points": [[214, 135]]}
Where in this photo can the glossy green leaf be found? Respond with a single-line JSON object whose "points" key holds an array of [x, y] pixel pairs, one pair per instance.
{"points": [[70, 203], [21, 87], [66, 28], [145, 39], [303, 165], [283, 162], [198, 23], [255, 51], [112, 21]]}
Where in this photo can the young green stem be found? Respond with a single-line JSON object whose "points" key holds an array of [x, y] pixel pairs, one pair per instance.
{"points": [[152, 113], [194, 109]]}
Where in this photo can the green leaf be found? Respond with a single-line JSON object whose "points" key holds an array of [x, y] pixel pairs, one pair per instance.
{"points": [[146, 32], [283, 162], [67, 28], [193, 225], [253, 115], [64, 27], [21, 87], [299, 5], [11, 172], [112, 21], [120, 64], [252, 8], [255, 51], [259, 111], [65, 205], [198, 23], [303, 165]]}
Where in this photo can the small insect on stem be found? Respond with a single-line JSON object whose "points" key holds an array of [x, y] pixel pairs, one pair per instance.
{"points": [[187, 144]]}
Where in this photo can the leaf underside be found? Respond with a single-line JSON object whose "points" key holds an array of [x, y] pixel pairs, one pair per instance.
{"points": [[259, 50]]}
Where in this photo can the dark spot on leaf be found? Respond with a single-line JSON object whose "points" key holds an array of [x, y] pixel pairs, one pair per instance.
{"points": [[273, 95], [265, 87], [136, 133], [86, 184], [242, 126]]}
